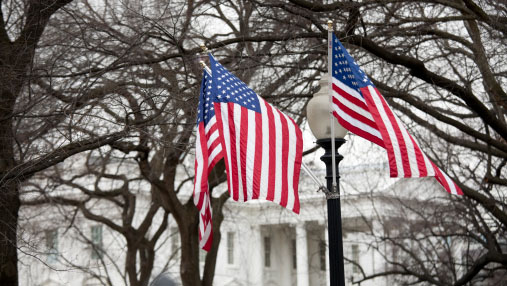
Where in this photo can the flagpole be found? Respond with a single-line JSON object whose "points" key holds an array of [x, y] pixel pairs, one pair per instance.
{"points": [[330, 88], [204, 66], [336, 265], [314, 178]]}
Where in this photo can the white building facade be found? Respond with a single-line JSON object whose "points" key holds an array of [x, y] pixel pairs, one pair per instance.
{"points": [[262, 243], [275, 247]]}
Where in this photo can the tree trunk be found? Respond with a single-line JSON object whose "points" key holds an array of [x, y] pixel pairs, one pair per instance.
{"points": [[211, 257], [15, 58], [9, 201], [189, 234], [9, 207], [131, 262]]}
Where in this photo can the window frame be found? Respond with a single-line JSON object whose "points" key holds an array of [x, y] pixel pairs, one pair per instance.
{"points": [[267, 251], [322, 255], [355, 257], [97, 241], [51, 246], [230, 248], [294, 255]]}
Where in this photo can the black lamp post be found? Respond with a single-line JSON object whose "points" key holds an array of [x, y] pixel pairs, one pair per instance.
{"points": [[318, 119], [334, 216]]}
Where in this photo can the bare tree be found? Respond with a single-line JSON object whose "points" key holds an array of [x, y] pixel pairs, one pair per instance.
{"points": [[106, 190], [21, 27], [128, 70], [439, 63], [429, 245]]}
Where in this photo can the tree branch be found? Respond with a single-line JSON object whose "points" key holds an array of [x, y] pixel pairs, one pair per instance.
{"points": [[25, 170], [418, 69]]}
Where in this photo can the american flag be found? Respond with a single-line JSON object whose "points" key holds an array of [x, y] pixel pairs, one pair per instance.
{"points": [[262, 147], [359, 107], [208, 153]]}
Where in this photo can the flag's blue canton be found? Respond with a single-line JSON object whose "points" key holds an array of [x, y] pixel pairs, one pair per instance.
{"points": [[205, 110], [345, 68], [229, 88]]}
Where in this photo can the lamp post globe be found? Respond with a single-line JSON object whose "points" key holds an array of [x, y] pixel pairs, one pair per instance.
{"points": [[318, 118], [317, 113]]}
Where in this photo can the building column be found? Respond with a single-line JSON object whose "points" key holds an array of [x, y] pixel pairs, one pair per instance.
{"points": [[282, 253], [256, 263], [302, 255]]}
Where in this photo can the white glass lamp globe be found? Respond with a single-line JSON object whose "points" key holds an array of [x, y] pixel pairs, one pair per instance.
{"points": [[317, 113]]}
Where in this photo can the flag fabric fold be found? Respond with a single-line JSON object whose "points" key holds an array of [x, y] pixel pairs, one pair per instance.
{"points": [[208, 152], [360, 108], [262, 147]]}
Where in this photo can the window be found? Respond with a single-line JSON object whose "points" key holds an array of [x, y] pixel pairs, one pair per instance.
{"points": [[175, 242], [294, 255], [96, 242], [230, 247], [267, 251], [52, 245], [394, 250], [355, 258], [202, 255], [322, 255]]}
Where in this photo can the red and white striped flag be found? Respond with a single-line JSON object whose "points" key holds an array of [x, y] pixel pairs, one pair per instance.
{"points": [[262, 147], [208, 151], [359, 107]]}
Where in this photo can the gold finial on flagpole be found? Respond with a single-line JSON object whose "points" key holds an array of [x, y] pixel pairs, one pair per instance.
{"points": [[205, 67], [330, 25], [201, 62], [204, 48]]}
